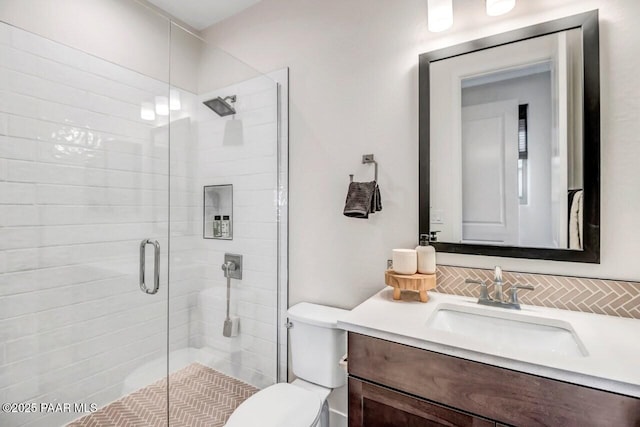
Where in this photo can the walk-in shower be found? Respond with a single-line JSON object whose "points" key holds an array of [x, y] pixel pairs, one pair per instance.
{"points": [[100, 151]]}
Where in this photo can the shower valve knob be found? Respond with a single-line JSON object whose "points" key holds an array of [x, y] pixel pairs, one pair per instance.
{"points": [[232, 266], [229, 266]]}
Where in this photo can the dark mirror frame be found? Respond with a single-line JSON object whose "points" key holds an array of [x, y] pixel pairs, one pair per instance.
{"points": [[588, 23]]}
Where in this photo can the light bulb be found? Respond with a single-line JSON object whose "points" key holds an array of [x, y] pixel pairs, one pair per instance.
{"points": [[499, 7], [440, 15]]}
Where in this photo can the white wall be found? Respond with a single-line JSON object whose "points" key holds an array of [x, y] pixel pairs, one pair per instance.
{"points": [[129, 33], [105, 28], [337, 114], [354, 91]]}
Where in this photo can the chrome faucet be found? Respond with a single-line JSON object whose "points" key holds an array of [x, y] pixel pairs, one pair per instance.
{"points": [[497, 283], [498, 296]]}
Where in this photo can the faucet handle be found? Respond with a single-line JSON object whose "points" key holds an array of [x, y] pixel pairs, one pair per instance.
{"points": [[513, 291], [484, 293], [227, 267]]}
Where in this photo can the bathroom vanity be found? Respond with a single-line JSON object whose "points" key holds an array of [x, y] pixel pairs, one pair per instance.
{"points": [[432, 372]]}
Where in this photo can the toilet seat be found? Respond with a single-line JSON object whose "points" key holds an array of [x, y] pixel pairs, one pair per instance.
{"points": [[279, 405]]}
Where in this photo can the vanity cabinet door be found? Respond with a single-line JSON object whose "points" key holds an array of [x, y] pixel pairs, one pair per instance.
{"points": [[374, 406]]}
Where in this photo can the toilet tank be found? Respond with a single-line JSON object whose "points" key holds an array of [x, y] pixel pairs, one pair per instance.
{"points": [[317, 345]]}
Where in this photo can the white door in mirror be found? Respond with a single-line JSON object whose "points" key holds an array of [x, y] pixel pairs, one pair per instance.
{"points": [[489, 173]]}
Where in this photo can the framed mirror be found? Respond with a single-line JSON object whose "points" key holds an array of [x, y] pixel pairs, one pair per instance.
{"points": [[510, 143]]}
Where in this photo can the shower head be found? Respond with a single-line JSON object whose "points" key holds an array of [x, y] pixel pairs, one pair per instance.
{"points": [[220, 105]]}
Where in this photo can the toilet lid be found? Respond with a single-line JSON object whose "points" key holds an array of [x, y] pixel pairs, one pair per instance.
{"points": [[279, 405]]}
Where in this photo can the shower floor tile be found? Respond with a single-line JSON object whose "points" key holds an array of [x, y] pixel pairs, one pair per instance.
{"points": [[198, 396]]}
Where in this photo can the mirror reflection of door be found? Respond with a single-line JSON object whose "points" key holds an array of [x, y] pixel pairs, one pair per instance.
{"points": [[506, 144], [489, 167], [520, 205]]}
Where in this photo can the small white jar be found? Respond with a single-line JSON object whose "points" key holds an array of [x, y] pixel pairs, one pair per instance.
{"points": [[405, 261]]}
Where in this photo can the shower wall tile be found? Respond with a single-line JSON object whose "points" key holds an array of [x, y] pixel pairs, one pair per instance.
{"points": [[16, 193], [5, 34], [18, 149], [82, 180], [3, 261], [4, 125]]}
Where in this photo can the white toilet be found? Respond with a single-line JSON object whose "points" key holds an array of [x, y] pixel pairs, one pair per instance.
{"points": [[317, 345]]}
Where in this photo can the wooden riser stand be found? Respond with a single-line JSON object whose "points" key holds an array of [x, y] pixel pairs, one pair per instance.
{"points": [[420, 283]]}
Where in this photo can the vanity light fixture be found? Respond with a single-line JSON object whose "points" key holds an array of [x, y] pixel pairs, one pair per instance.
{"points": [[499, 7], [440, 12], [440, 15]]}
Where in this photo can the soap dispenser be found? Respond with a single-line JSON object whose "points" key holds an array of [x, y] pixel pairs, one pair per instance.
{"points": [[426, 256]]}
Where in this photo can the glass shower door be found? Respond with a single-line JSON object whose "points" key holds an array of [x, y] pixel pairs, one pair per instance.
{"points": [[84, 197], [228, 166]]}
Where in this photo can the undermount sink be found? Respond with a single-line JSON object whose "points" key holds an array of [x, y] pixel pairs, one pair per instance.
{"points": [[508, 331]]}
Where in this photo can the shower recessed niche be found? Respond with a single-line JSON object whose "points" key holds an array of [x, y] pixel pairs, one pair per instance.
{"points": [[217, 214]]}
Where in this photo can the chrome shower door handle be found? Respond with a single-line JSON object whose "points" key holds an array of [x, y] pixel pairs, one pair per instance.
{"points": [[156, 266]]}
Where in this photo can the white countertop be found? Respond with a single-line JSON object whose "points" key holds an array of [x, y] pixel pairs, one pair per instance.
{"points": [[612, 343]]}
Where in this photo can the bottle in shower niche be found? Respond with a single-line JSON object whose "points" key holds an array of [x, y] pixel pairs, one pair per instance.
{"points": [[226, 226], [426, 256], [217, 226]]}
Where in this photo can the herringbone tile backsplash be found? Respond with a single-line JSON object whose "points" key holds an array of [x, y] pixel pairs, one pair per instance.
{"points": [[612, 297]]}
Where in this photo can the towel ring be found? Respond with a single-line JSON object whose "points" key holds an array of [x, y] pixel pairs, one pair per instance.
{"points": [[366, 159]]}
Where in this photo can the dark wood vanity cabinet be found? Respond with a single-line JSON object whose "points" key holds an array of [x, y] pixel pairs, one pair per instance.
{"points": [[392, 384], [371, 405]]}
